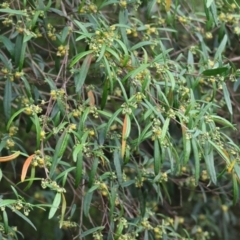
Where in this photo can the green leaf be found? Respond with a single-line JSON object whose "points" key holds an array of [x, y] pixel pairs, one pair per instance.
{"points": [[79, 167], [196, 159], [118, 165], [227, 98], [141, 44], [24, 218], [164, 129], [27, 86], [5, 221], [78, 148], [105, 94], [101, 54], [65, 173], [215, 71], [14, 12], [235, 189], [59, 150], [209, 2], [55, 205], [157, 157], [31, 179], [79, 57], [221, 47], [87, 202], [209, 160], [93, 172], [8, 44], [7, 101], [36, 122], [187, 149], [113, 53], [134, 72], [63, 210], [220, 151], [81, 76]]}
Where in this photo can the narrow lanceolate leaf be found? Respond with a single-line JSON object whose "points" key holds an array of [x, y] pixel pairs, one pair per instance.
{"points": [[13, 117], [36, 122], [7, 99], [26, 166], [59, 150], [157, 157], [209, 160], [1, 174], [117, 164], [5, 221], [165, 129], [55, 205], [83, 72], [227, 98], [235, 189], [79, 169], [196, 159], [91, 98], [26, 219], [187, 149], [87, 202], [10, 157], [125, 132], [168, 5], [63, 210]]}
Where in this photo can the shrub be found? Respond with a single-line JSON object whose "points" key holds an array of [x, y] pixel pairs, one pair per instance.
{"points": [[119, 119]]}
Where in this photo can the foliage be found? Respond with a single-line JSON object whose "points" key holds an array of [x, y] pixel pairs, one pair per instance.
{"points": [[119, 119]]}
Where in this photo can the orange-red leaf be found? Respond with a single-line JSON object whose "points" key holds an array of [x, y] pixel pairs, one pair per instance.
{"points": [[91, 98], [124, 136], [168, 5], [26, 166], [10, 157]]}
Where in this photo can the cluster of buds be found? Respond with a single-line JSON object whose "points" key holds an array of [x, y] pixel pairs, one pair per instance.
{"points": [[51, 32], [52, 185], [19, 205], [62, 51], [139, 97], [146, 224], [191, 182], [97, 236], [24, 101], [69, 224], [78, 112], [7, 21], [40, 161], [163, 177], [227, 18], [11, 76], [59, 93], [101, 37], [10, 143], [156, 129], [12, 131], [33, 109], [94, 111], [91, 8], [103, 188], [150, 30], [132, 31], [5, 5], [127, 107]]}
